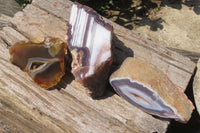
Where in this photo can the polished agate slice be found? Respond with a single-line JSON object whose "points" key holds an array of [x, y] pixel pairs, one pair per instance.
{"points": [[43, 61], [89, 40], [146, 87]]}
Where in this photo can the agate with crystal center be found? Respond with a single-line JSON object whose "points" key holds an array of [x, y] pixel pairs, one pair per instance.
{"points": [[149, 89], [43, 61]]}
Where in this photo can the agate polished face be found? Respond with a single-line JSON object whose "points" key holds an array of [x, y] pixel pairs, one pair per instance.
{"points": [[43, 61], [90, 42], [148, 88]]}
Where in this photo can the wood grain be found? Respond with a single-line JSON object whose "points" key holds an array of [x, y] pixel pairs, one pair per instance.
{"points": [[67, 108]]}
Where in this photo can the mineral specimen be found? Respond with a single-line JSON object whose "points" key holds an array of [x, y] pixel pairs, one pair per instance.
{"points": [[89, 40], [146, 87], [43, 61]]}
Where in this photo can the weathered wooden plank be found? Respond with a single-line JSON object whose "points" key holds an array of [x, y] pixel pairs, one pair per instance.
{"points": [[36, 23], [4, 20], [59, 8], [9, 7], [175, 66], [69, 108], [192, 55], [7, 10], [11, 36]]}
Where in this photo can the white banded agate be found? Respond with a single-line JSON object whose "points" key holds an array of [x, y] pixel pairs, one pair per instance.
{"points": [[89, 40]]}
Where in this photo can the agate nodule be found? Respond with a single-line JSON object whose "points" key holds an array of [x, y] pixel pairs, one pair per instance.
{"points": [[89, 40], [43, 61], [146, 87]]}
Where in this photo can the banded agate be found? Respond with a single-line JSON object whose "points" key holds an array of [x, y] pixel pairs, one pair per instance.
{"points": [[146, 87], [89, 40], [44, 61]]}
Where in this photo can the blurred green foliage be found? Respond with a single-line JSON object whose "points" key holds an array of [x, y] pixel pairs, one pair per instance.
{"points": [[23, 3]]}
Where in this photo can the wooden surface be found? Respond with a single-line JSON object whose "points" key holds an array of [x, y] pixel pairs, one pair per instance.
{"points": [[7, 9], [26, 107]]}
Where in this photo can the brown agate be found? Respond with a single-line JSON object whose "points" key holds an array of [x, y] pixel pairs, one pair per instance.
{"points": [[43, 61], [146, 87], [89, 39]]}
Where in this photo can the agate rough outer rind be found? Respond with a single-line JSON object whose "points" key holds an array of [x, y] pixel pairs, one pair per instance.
{"points": [[44, 61], [89, 40], [146, 87]]}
